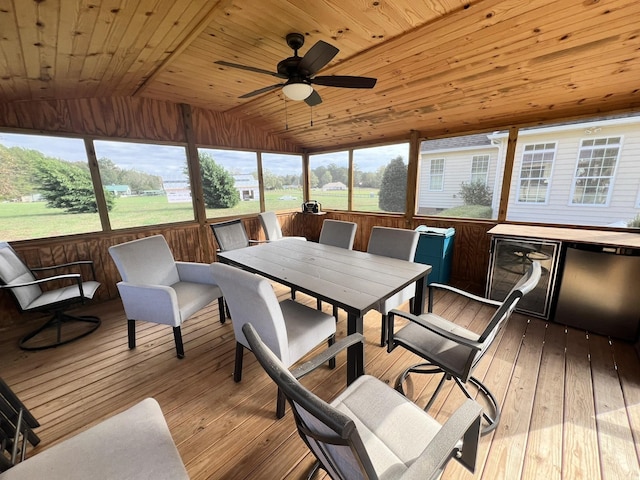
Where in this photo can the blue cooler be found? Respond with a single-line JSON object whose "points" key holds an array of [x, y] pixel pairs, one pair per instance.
{"points": [[435, 248]]}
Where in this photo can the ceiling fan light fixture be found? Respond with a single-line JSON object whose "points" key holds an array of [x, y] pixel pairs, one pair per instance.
{"points": [[297, 91]]}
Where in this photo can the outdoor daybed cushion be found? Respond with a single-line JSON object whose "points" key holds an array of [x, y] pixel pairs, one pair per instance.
{"points": [[134, 444]]}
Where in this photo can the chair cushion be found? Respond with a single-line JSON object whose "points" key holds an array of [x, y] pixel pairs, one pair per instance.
{"points": [[450, 355], [398, 299], [135, 444], [304, 327], [146, 261], [63, 294], [393, 429], [194, 296]]}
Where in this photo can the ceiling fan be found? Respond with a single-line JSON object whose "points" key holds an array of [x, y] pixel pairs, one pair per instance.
{"points": [[299, 72]]}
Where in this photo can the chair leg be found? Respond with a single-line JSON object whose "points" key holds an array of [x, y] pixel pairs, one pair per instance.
{"points": [[280, 404], [332, 361], [383, 331], [318, 304], [221, 310], [177, 336], [293, 294], [131, 332], [237, 370], [335, 312]]}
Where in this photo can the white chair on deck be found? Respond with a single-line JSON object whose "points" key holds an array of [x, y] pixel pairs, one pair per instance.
{"points": [[155, 288], [290, 329], [395, 243], [271, 227]]}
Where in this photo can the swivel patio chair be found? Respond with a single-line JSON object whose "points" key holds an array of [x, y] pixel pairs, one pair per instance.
{"points": [[291, 329], [395, 243], [338, 234], [453, 350], [155, 288], [25, 286], [371, 431]]}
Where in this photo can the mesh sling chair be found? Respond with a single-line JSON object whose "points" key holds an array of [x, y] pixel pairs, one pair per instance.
{"points": [[231, 235], [291, 329], [453, 350], [397, 243], [155, 288], [371, 431], [25, 286], [338, 234]]}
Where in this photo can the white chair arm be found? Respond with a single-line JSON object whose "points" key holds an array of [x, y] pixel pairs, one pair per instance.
{"points": [[461, 432], [195, 272], [151, 303]]}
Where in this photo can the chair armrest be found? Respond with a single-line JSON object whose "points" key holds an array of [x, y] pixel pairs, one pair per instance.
{"points": [[74, 276], [471, 296], [326, 355], [463, 425], [196, 272], [152, 303], [66, 265], [429, 326]]}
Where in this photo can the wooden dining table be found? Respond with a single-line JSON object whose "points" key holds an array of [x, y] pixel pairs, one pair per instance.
{"points": [[354, 281]]}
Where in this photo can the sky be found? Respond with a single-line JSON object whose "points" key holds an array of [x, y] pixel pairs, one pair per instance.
{"points": [[168, 161]]}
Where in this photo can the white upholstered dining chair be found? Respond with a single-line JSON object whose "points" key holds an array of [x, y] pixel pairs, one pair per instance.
{"points": [[271, 227], [155, 288], [395, 243], [290, 329]]}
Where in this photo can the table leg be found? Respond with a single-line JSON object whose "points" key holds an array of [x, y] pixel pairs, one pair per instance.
{"points": [[418, 301], [355, 353]]}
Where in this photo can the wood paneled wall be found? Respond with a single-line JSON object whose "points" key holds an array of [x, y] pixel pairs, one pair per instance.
{"points": [[195, 243], [138, 119]]}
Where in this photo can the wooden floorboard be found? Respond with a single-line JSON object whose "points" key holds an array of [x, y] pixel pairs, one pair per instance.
{"points": [[571, 401]]}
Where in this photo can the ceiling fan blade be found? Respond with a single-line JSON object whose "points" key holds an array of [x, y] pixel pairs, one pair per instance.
{"points": [[251, 69], [261, 90], [344, 81], [313, 99], [317, 57]]}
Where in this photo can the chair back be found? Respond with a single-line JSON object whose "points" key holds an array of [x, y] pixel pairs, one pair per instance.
{"points": [[145, 261], [330, 434], [397, 243], [251, 299], [527, 283], [230, 235], [270, 225], [14, 271], [338, 233]]}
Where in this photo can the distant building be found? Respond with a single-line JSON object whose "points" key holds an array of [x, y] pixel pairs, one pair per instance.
{"points": [[333, 186], [247, 187], [118, 190]]}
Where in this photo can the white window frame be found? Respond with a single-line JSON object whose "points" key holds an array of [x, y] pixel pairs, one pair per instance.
{"points": [[610, 178], [546, 149], [438, 175], [484, 159]]}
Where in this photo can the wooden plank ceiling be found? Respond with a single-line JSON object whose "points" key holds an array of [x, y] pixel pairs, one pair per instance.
{"points": [[443, 66]]}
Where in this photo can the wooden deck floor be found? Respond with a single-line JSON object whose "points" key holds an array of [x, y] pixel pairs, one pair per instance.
{"points": [[571, 402]]}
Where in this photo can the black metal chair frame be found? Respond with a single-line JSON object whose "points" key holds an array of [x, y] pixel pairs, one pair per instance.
{"points": [[16, 428]]}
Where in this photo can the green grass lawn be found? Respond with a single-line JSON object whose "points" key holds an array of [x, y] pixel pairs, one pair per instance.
{"points": [[22, 221]]}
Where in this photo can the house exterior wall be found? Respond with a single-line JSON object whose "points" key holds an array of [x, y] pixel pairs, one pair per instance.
{"points": [[622, 204]]}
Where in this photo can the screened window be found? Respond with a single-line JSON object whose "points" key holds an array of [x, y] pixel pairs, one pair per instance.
{"points": [[593, 179], [380, 178], [480, 169], [436, 175], [229, 182], [45, 187], [329, 174], [535, 172], [282, 177]]}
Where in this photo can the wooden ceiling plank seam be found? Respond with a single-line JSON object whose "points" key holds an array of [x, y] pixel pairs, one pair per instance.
{"points": [[176, 25], [47, 28], [98, 43], [12, 69], [131, 27], [26, 14], [213, 10]]}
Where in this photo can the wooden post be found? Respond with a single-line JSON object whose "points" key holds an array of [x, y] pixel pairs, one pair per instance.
{"points": [[98, 188], [508, 173], [412, 176]]}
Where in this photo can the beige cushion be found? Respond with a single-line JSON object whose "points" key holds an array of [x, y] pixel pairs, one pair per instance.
{"points": [[135, 444]]}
